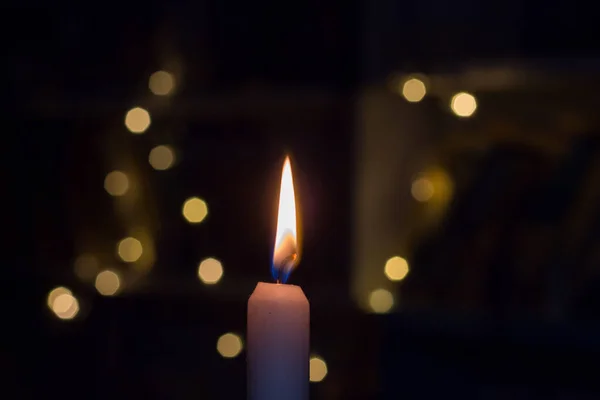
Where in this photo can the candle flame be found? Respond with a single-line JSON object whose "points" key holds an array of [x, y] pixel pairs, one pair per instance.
{"points": [[285, 253]]}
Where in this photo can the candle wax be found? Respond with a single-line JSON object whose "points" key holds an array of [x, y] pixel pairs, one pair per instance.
{"points": [[278, 343]]}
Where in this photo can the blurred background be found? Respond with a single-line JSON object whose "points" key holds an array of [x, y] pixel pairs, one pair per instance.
{"points": [[445, 162]]}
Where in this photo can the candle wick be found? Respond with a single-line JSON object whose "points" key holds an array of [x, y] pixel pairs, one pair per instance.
{"points": [[285, 267]]}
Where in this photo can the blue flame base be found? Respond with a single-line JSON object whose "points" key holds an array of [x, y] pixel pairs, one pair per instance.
{"points": [[281, 273]]}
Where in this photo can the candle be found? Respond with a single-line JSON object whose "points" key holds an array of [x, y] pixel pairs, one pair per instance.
{"points": [[279, 315]]}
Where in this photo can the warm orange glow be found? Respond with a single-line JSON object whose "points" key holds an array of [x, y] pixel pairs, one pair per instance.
{"points": [[285, 253]]}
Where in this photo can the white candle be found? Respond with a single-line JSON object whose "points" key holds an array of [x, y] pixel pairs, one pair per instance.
{"points": [[279, 316], [278, 343]]}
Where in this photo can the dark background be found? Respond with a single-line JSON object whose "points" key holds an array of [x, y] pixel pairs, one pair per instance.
{"points": [[501, 300]]}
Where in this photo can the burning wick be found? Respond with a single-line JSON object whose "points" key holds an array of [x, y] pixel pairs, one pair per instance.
{"points": [[286, 266], [285, 257]]}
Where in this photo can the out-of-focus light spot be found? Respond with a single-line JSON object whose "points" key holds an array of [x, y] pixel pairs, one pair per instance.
{"points": [[229, 345], [422, 189], [381, 301], [65, 306], [116, 183], [463, 104], [161, 83], [130, 249], [414, 90], [194, 210], [54, 293], [396, 268], [108, 282], [434, 186], [210, 271], [317, 369], [142, 254], [86, 267], [137, 120], [161, 157]]}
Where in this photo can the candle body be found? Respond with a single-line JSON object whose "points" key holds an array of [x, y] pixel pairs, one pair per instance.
{"points": [[278, 330]]}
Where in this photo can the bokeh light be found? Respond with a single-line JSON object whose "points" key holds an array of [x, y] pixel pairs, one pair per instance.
{"points": [[463, 104], [435, 187], [65, 306], [54, 293], [137, 120], [108, 282], [210, 271], [414, 90], [317, 369], [161, 157], [161, 83], [381, 301], [116, 183], [194, 210], [229, 345], [130, 249], [86, 267], [422, 189], [396, 268]]}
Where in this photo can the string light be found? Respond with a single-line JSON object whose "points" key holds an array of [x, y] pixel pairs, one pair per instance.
{"points": [[194, 210], [414, 90], [137, 120], [463, 104], [433, 186], [65, 306], [54, 293], [116, 183], [229, 345], [381, 301], [161, 157], [108, 283], [161, 83], [210, 271], [317, 369], [422, 189], [396, 268], [130, 249]]}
